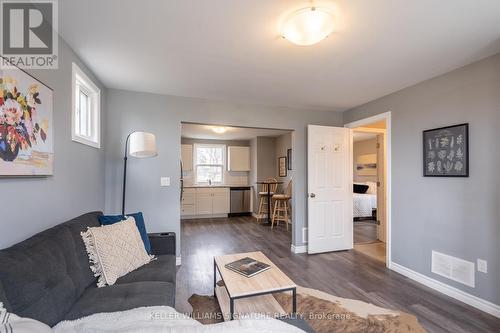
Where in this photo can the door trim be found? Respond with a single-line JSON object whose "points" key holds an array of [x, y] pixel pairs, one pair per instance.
{"points": [[388, 136]]}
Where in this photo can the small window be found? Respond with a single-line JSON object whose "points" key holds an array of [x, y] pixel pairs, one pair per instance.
{"points": [[209, 163], [86, 117]]}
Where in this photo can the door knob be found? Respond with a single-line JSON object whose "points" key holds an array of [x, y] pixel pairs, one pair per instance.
{"points": [[312, 195]]}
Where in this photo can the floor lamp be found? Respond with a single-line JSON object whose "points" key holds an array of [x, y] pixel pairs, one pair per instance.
{"points": [[142, 145]]}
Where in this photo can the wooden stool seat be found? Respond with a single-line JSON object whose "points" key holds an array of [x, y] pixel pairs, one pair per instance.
{"points": [[265, 193], [281, 197]]}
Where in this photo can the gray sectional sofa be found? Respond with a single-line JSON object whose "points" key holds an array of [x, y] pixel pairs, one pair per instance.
{"points": [[47, 277]]}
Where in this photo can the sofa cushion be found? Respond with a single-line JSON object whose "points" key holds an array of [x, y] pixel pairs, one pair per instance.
{"points": [[47, 273], [3, 298], [120, 297], [162, 269]]}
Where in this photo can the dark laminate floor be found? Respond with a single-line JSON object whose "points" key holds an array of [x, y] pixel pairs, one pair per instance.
{"points": [[365, 231], [346, 274]]}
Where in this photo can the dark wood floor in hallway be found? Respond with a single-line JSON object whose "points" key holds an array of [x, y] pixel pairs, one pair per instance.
{"points": [[348, 274]]}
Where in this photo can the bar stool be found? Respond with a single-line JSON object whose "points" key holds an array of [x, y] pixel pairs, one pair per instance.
{"points": [[281, 210], [263, 193]]}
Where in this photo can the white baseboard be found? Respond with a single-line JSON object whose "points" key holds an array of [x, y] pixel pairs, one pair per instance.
{"points": [[298, 249], [474, 301], [178, 261]]}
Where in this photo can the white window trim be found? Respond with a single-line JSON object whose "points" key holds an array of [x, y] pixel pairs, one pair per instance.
{"points": [[95, 99], [195, 159]]}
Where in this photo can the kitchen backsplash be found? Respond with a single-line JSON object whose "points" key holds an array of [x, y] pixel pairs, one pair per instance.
{"points": [[230, 178]]}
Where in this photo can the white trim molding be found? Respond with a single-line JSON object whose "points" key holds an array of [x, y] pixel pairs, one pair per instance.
{"points": [[474, 301], [178, 261], [298, 249]]}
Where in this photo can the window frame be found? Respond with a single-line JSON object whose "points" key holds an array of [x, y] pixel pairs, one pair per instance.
{"points": [[80, 82], [195, 161]]}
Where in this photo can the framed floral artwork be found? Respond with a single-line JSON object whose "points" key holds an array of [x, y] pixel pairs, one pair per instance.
{"points": [[26, 125], [446, 151]]}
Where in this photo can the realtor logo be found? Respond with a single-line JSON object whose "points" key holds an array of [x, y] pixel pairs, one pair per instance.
{"points": [[29, 34]]}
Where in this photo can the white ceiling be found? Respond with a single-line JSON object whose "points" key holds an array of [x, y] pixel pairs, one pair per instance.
{"points": [[231, 49], [195, 131], [362, 136]]}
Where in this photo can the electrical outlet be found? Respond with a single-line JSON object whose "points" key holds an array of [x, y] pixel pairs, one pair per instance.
{"points": [[482, 266], [164, 181]]}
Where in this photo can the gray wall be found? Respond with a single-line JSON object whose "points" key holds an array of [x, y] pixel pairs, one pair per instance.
{"points": [[362, 148], [456, 216], [31, 205], [162, 115], [267, 165], [283, 143]]}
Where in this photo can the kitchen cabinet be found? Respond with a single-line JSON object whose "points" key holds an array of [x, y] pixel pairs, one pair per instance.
{"points": [[220, 201], [187, 157], [188, 202], [205, 201], [238, 158]]}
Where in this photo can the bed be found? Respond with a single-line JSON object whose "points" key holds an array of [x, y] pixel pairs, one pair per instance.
{"points": [[365, 203]]}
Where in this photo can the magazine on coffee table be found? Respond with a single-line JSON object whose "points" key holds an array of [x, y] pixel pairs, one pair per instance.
{"points": [[247, 266]]}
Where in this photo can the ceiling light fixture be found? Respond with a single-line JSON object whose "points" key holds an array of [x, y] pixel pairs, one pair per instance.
{"points": [[308, 26], [219, 130]]}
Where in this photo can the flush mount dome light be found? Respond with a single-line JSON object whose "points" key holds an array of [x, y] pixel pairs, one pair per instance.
{"points": [[308, 26], [219, 130]]}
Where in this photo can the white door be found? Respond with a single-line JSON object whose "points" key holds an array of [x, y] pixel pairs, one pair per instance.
{"points": [[330, 216]]}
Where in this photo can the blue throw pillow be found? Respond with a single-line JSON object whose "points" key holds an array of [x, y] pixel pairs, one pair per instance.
{"points": [[139, 222]]}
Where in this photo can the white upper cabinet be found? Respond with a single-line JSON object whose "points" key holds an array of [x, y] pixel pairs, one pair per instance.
{"points": [[238, 158], [187, 157]]}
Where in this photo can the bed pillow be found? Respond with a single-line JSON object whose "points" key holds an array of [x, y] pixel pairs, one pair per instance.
{"points": [[361, 189], [139, 221], [372, 187], [115, 250]]}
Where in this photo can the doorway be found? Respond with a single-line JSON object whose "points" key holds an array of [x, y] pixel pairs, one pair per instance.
{"points": [[371, 186], [222, 168]]}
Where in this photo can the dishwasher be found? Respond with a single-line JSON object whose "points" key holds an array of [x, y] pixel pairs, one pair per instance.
{"points": [[240, 201]]}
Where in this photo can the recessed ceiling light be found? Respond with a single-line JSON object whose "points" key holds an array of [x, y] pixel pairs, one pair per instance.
{"points": [[308, 26], [219, 130]]}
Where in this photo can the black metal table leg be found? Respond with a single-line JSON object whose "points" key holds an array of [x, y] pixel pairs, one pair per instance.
{"points": [[294, 301], [231, 308], [215, 277]]}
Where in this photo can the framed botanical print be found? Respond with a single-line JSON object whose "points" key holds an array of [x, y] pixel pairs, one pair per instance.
{"points": [[26, 125], [282, 166], [446, 151]]}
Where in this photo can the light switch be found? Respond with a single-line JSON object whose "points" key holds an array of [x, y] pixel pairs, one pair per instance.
{"points": [[164, 181], [482, 266]]}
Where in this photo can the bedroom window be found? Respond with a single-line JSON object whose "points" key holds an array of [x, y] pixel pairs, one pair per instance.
{"points": [[86, 115], [209, 163]]}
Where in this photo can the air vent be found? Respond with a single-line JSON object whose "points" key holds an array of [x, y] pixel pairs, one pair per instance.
{"points": [[453, 268]]}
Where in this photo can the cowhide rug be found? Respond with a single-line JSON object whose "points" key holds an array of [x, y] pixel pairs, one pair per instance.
{"points": [[324, 313]]}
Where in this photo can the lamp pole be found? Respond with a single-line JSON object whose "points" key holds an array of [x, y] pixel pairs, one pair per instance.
{"points": [[125, 158]]}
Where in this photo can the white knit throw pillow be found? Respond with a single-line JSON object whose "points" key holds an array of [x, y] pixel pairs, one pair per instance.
{"points": [[115, 250]]}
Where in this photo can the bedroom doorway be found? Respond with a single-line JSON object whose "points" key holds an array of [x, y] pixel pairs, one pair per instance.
{"points": [[370, 186]]}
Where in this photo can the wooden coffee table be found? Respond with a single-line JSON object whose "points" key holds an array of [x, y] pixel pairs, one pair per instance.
{"points": [[254, 294]]}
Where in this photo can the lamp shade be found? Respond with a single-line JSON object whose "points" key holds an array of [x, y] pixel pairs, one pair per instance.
{"points": [[142, 145]]}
